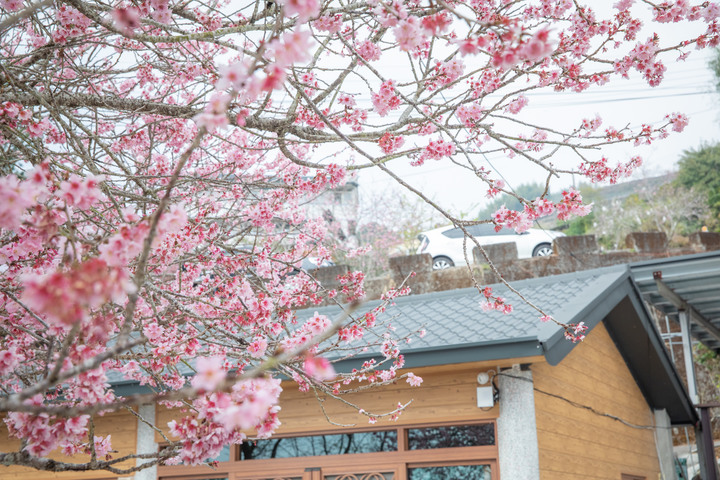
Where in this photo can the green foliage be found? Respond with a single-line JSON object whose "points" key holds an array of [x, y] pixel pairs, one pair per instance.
{"points": [[666, 208], [710, 360], [581, 225], [700, 169], [705, 356], [715, 67]]}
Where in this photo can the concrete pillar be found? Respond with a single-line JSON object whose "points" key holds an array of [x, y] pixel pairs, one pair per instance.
{"points": [[146, 441], [664, 445], [517, 429]]}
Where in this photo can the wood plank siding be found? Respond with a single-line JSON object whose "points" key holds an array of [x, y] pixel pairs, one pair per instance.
{"points": [[577, 443], [446, 395], [122, 426]]}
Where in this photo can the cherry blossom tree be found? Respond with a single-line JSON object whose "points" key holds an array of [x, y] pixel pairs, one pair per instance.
{"points": [[156, 156]]}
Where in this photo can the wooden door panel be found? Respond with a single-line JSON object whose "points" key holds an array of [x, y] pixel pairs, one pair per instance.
{"points": [[362, 476]]}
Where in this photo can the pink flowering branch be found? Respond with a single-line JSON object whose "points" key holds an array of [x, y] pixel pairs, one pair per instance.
{"points": [[160, 163]]}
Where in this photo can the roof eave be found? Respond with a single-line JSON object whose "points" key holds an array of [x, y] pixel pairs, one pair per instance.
{"points": [[458, 353]]}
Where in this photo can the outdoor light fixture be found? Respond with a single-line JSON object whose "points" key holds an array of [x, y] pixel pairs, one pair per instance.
{"points": [[485, 395]]}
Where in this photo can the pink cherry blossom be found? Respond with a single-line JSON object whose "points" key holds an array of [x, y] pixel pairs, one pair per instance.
{"points": [[678, 121], [292, 47], [386, 99], [103, 446], [304, 9], [257, 348], [390, 143], [82, 192], [414, 380], [329, 24], [15, 198], [210, 373], [11, 5], [127, 19], [369, 51], [408, 33], [319, 368], [517, 104], [67, 297]]}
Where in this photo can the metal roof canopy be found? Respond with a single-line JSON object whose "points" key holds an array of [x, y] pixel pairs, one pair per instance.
{"points": [[690, 283]]}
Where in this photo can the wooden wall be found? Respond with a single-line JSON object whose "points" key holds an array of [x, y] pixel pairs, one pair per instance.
{"points": [[448, 394], [575, 443], [122, 426]]}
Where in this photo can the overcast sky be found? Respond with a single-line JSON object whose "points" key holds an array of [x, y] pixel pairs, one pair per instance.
{"points": [[688, 87]]}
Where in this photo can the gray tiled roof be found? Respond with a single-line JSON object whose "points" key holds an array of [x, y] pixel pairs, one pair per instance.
{"points": [[455, 318], [459, 331]]}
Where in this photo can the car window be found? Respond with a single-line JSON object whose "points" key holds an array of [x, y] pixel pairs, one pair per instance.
{"points": [[453, 233], [483, 230]]}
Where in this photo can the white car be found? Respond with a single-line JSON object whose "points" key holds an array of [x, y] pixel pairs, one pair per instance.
{"points": [[445, 244]]}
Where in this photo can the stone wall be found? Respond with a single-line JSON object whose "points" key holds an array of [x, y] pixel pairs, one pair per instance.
{"points": [[571, 254]]}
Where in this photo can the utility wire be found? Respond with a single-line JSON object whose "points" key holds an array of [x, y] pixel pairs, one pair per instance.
{"points": [[587, 407]]}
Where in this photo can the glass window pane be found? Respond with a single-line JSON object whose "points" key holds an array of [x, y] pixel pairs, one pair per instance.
{"points": [[223, 456], [455, 472], [453, 233], [337, 444], [484, 230], [453, 436]]}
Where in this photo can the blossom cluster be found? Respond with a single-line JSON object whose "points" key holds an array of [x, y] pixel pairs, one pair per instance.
{"points": [[14, 115], [576, 332], [599, 171], [221, 417], [68, 297], [46, 433], [386, 99], [571, 204]]}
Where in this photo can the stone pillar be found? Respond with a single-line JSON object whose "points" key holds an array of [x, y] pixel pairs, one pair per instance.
{"points": [[517, 428], [146, 441], [647, 242], [664, 444], [497, 252], [575, 245], [705, 240], [421, 264]]}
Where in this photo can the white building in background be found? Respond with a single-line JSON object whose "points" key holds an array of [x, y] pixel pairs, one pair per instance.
{"points": [[340, 207]]}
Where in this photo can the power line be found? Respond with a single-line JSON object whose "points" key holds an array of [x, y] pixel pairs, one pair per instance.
{"points": [[588, 407], [614, 100]]}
